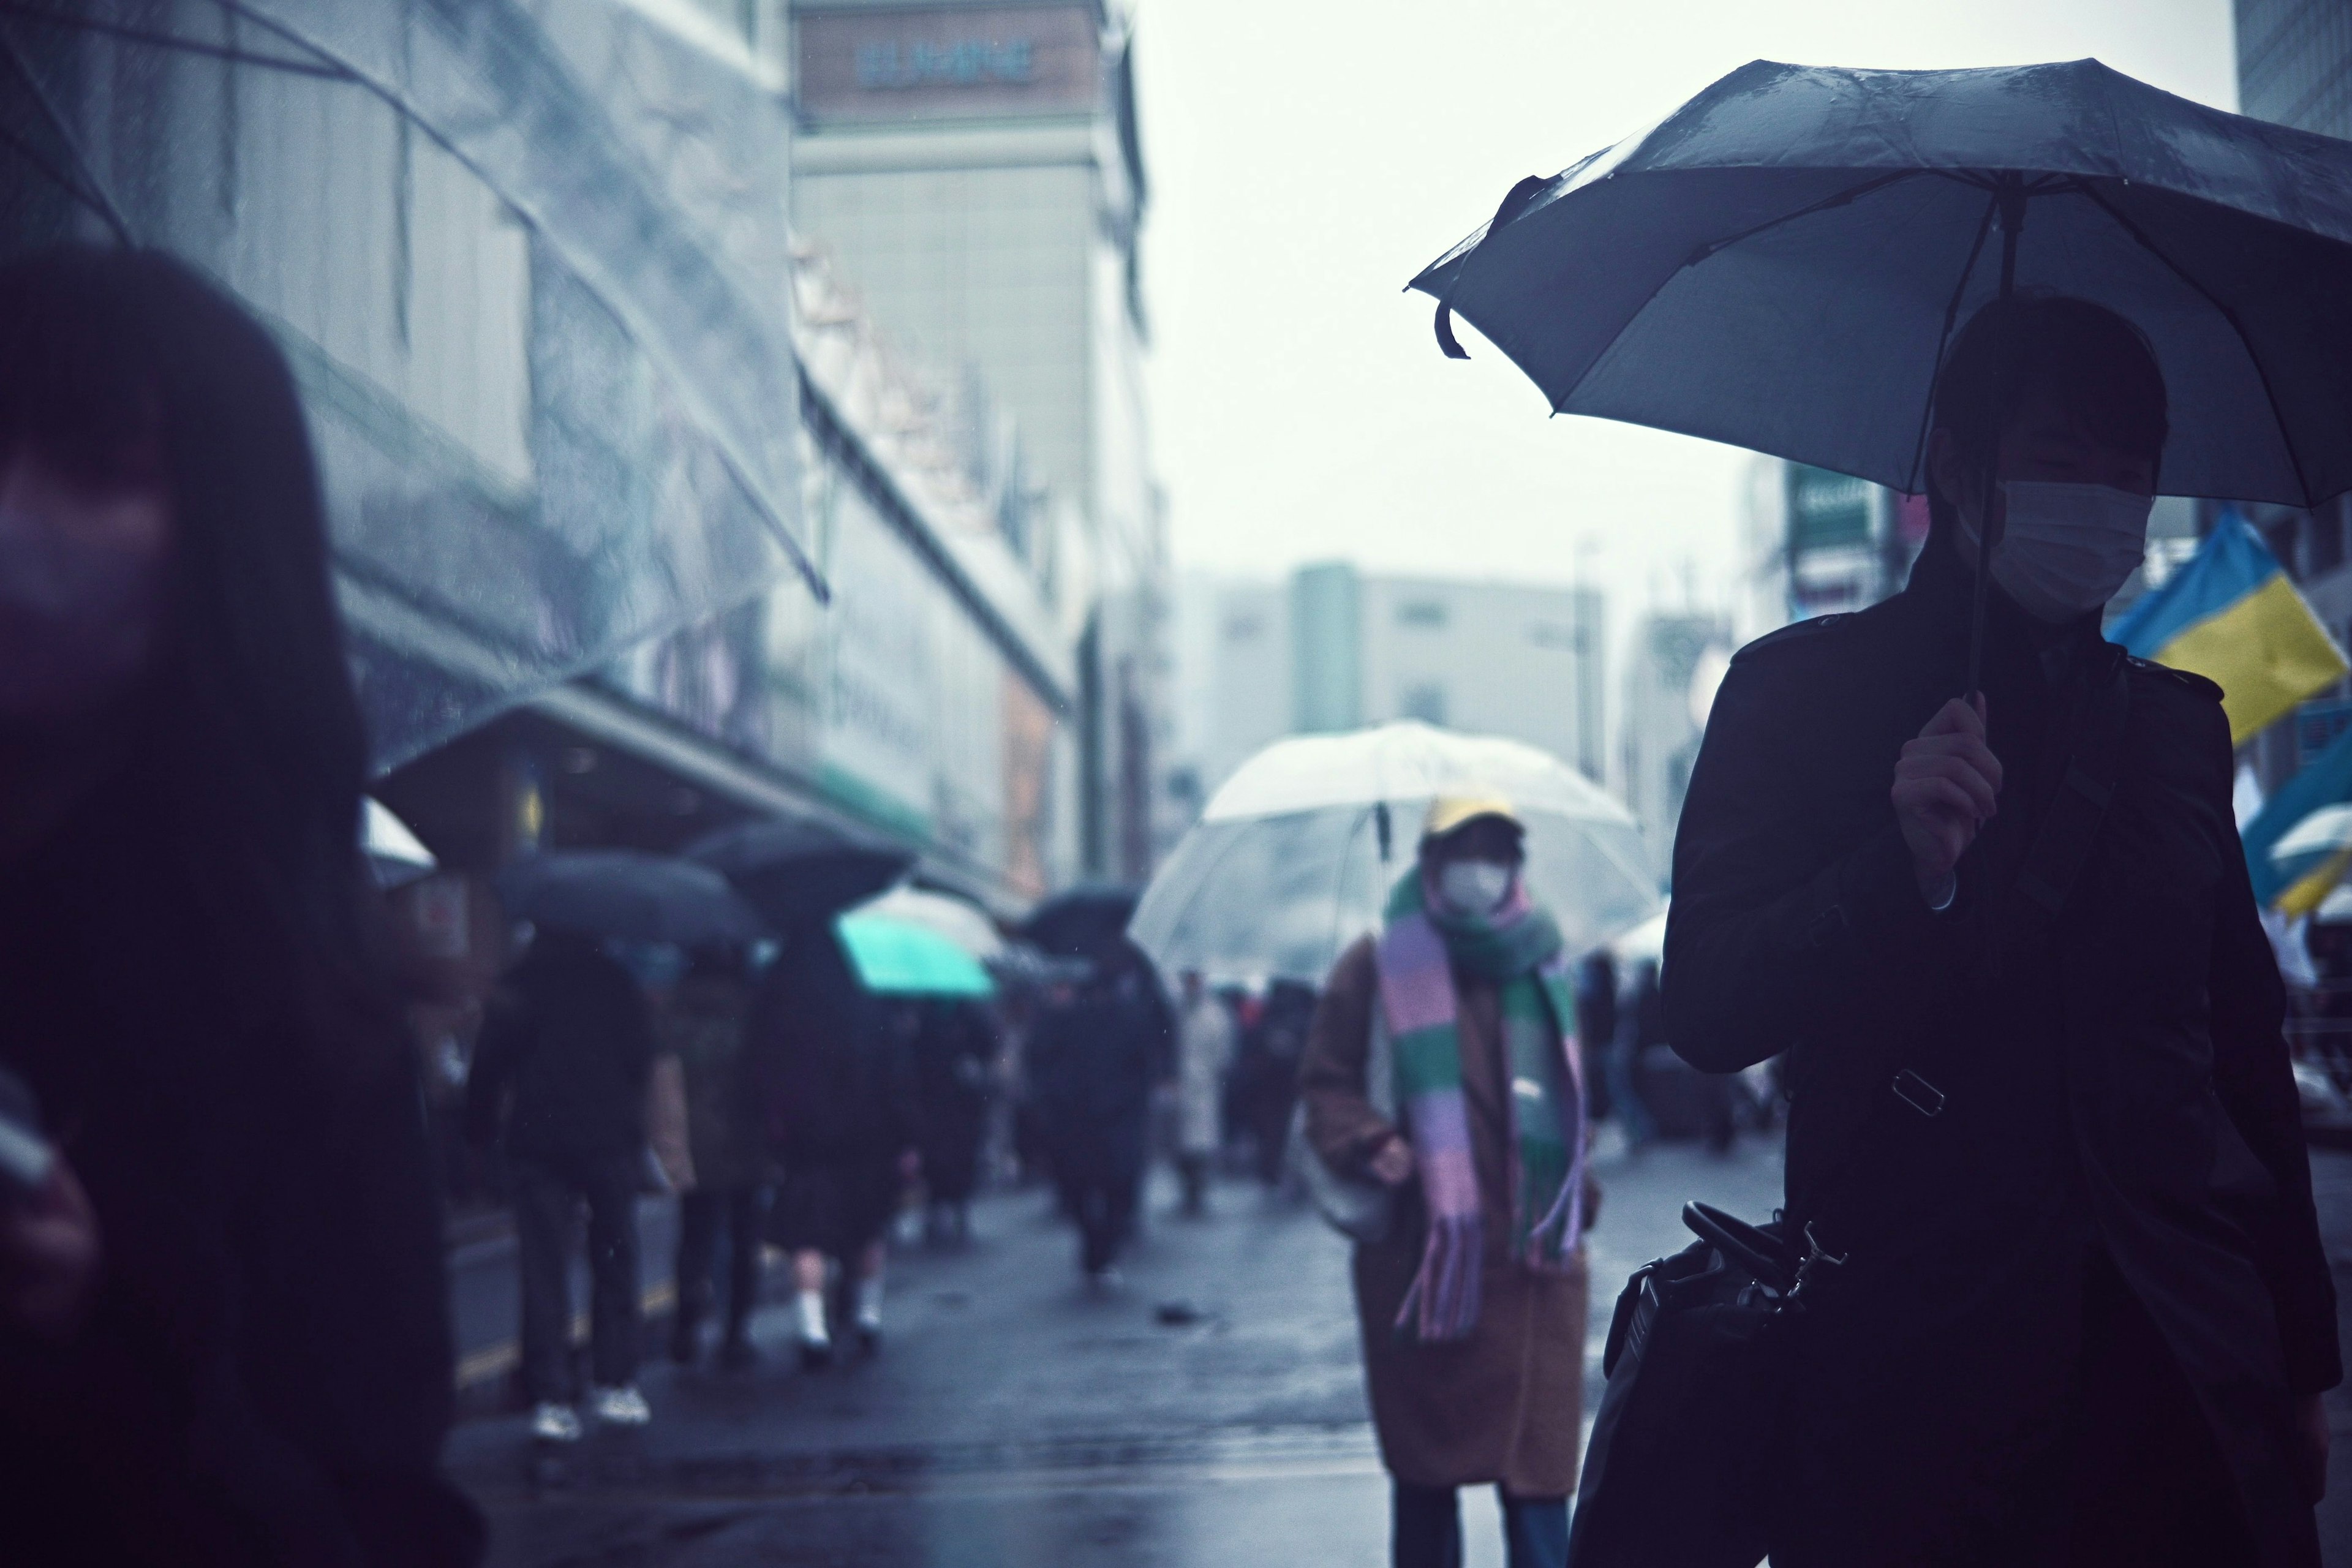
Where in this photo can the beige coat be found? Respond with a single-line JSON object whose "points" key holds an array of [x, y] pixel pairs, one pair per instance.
{"points": [[1503, 1406]]}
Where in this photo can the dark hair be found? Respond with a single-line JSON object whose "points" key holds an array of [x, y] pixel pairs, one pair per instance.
{"points": [[250, 741], [2097, 365]]}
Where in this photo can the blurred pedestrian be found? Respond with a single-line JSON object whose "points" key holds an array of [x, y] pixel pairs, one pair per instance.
{"points": [[702, 1026], [2072, 1302], [1596, 1028], [1204, 1048], [558, 1084], [956, 1051], [1471, 1305], [1266, 1091], [1095, 1057], [837, 1098], [223, 1330], [1641, 1023]]}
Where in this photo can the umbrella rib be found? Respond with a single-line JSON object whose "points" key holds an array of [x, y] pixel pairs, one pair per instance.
{"points": [[1943, 341], [2262, 372], [1837, 199]]}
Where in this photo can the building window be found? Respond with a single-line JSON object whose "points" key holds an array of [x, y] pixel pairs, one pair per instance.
{"points": [[1424, 702], [1428, 614], [1243, 629]]}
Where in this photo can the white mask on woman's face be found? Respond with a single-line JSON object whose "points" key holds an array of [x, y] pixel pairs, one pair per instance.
{"points": [[1475, 887], [2066, 548]]}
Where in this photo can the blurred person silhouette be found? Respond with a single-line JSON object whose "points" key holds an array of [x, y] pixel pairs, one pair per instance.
{"points": [[558, 1083], [1205, 1049], [1472, 1304], [1267, 1091], [1641, 1023], [223, 1326], [837, 1104], [702, 1026], [956, 1052], [1596, 1028], [1094, 1057]]}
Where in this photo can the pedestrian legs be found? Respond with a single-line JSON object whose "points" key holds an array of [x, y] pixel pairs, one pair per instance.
{"points": [[1192, 1170], [1425, 1527], [618, 1328], [542, 1210], [1535, 1532], [1626, 1098], [698, 1214], [743, 1268]]}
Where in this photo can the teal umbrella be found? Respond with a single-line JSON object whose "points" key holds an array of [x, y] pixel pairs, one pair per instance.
{"points": [[896, 958]]}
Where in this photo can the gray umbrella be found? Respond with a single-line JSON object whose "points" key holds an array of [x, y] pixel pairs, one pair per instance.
{"points": [[1781, 264], [629, 894]]}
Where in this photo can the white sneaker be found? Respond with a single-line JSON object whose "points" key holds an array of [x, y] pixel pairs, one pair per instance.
{"points": [[553, 1423], [622, 1406]]}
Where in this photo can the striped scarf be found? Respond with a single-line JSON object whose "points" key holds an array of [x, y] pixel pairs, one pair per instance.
{"points": [[1518, 948]]}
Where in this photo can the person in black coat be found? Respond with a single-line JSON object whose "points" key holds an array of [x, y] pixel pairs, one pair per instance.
{"points": [[2082, 1314], [834, 1066], [956, 1047], [1093, 1060], [223, 1312], [560, 1068]]}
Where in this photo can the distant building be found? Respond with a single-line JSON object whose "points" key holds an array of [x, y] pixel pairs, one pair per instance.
{"points": [[1672, 668], [974, 173], [1335, 649]]}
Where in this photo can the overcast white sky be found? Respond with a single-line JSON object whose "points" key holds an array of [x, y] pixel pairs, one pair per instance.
{"points": [[1307, 156]]}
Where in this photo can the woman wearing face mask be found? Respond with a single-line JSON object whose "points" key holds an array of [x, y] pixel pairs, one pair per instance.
{"points": [[2042, 1106], [222, 1314], [1473, 1306]]}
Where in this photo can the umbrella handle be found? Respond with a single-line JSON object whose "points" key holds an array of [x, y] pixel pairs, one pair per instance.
{"points": [[2009, 191]]}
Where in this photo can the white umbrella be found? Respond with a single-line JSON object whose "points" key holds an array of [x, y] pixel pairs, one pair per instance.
{"points": [[943, 914], [1295, 856], [395, 854]]}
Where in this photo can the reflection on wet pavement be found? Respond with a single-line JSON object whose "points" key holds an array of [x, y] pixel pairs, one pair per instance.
{"points": [[1208, 1411]]}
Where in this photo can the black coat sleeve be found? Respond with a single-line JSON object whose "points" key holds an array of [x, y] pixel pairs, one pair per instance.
{"points": [[2256, 1085], [1776, 905]]}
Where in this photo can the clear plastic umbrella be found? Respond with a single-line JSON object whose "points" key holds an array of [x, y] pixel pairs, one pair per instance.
{"points": [[1295, 854]]}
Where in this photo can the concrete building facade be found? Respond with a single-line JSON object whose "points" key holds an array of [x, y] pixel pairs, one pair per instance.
{"points": [[973, 173], [1334, 647]]}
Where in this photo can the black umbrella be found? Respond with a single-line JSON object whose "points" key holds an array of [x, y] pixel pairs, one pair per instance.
{"points": [[798, 872], [629, 894], [1781, 264], [1076, 921]]}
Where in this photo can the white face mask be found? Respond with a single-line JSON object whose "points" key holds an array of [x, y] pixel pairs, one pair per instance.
{"points": [[2068, 548], [1474, 887]]}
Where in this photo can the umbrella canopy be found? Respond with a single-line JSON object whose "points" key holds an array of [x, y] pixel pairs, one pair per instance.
{"points": [[798, 872], [1076, 920], [395, 854], [943, 914], [896, 957], [1781, 264], [629, 894], [1295, 856]]}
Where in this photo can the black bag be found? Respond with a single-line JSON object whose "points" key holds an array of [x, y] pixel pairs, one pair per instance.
{"points": [[1678, 1473], [1692, 1386]]}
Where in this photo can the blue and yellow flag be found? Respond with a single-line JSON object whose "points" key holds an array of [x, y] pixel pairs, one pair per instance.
{"points": [[2299, 844], [2232, 616]]}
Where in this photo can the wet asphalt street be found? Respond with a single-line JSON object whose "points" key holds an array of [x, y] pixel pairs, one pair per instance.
{"points": [[1208, 1411]]}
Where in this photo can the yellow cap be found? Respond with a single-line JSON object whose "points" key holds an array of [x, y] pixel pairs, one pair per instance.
{"points": [[1448, 812]]}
